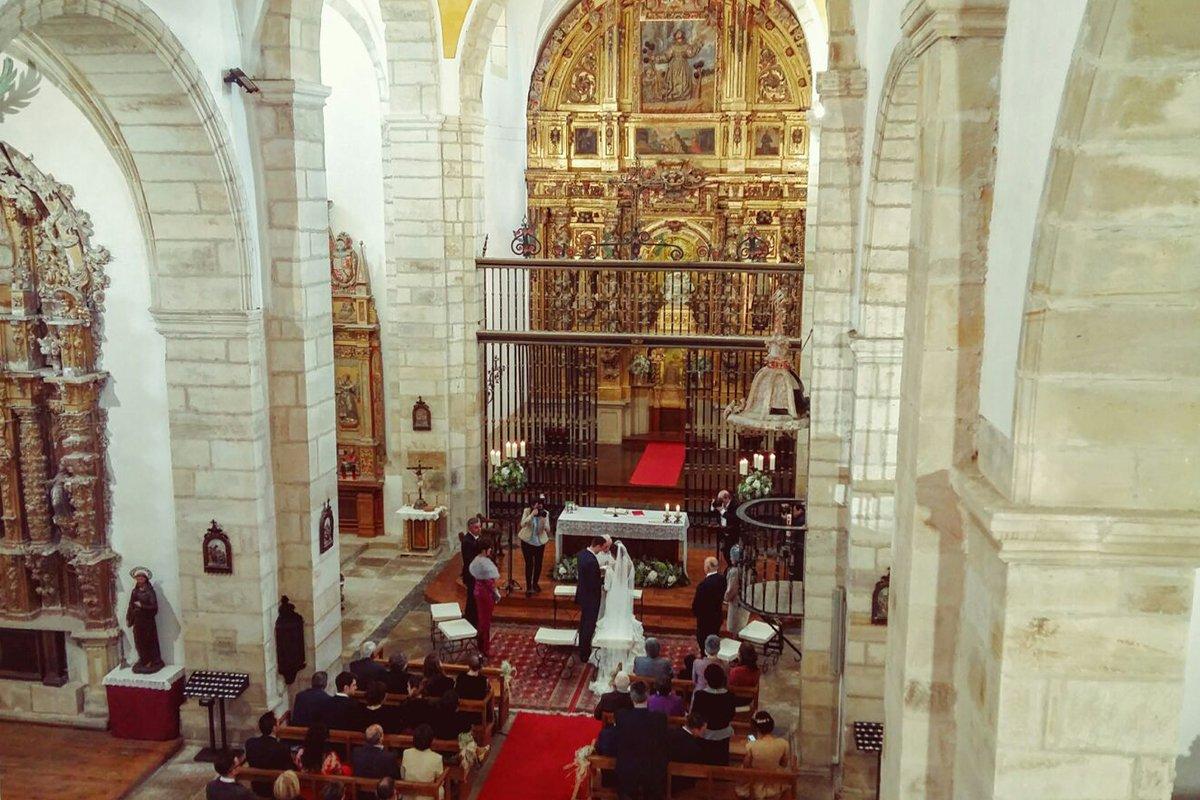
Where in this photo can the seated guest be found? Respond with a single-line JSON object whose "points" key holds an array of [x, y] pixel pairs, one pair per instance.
{"points": [[333, 791], [386, 790], [420, 764], [366, 669], [712, 646], [265, 751], [415, 710], [665, 700], [689, 661], [641, 758], [311, 704], [606, 745], [717, 705], [743, 670], [686, 745], [316, 757], [614, 701], [397, 674], [448, 721], [375, 712], [344, 711], [767, 751], [224, 787], [472, 684], [287, 785], [434, 682], [373, 760], [652, 665]]}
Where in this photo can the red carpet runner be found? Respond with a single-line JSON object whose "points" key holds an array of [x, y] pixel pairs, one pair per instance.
{"points": [[532, 757], [660, 465]]}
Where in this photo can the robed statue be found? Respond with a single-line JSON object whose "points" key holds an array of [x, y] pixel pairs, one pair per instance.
{"points": [[143, 606]]}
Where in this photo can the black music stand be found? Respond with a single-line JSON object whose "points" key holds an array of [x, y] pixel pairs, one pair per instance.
{"points": [[868, 738], [512, 584], [213, 688]]}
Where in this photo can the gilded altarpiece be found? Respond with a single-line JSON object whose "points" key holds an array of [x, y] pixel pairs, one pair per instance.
{"points": [[679, 121], [358, 391], [55, 559]]}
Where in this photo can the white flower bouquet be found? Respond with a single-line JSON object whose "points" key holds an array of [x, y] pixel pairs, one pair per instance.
{"points": [[755, 485], [509, 476]]}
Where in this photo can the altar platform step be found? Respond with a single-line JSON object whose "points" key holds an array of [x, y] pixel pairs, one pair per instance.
{"points": [[661, 610]]}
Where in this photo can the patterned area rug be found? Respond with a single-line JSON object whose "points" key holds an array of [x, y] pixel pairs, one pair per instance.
{"points": [[565, 690]]}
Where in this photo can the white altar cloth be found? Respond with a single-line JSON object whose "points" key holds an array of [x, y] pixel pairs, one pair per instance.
{"points": [[588, 521]]}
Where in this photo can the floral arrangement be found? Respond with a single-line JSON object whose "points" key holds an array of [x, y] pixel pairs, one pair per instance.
{"points": [[509, 476], [640, 366], [648, 573], [755, 485], [507, 673]]}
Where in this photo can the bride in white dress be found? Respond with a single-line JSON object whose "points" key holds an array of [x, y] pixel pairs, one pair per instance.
{"points": [[619, 637]]}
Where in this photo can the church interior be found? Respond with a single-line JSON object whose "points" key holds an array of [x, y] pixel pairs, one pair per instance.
{"points": [[398, 395]]}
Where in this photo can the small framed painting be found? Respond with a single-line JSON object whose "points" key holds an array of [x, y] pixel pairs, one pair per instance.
{"points": [[325, 529], [587, 141], [218, 554]]}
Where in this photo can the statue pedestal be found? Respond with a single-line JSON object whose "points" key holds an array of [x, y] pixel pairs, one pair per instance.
{"points": [[424, 529], [144, 706]]}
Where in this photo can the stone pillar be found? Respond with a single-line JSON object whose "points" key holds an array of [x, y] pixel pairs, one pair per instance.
{"points": [[221, 468], [100, 649], [299, 325], [434, 191], [831, 267], [957, 44]]}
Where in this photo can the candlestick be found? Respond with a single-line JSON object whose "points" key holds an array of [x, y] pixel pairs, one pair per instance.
{"points": [[743, 467], [523, 450], [771, 462]]}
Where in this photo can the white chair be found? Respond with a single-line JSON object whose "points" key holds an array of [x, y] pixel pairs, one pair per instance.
{"points": [[556, 648], [457, 637], [729, 649], [566, 590], [765, 638], [441, 612]]}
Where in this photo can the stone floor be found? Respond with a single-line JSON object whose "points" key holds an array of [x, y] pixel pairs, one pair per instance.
{"points": [[181, 778]]}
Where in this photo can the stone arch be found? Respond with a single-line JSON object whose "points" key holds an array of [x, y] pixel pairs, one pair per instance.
{"points": [[164, 131], [362, 27], [1105, 412], [290, 39]]}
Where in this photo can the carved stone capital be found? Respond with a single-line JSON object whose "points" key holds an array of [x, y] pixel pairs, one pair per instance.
{"points": [[282, 92], [928, 21], [849, 84], [208, 324]]}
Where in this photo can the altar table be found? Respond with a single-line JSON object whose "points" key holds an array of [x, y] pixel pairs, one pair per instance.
{"points": [[627, 525], [144, 706]]}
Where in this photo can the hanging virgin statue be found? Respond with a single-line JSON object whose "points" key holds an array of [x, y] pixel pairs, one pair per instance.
{"points": [[143, 606]]}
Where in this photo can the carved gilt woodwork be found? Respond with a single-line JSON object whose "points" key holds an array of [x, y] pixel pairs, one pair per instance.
{"points": [[358, 390], [54, 500]]}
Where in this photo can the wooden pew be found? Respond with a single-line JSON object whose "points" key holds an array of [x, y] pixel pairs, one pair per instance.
{"points": [[737, 745], [485, 708], [744, 694], [363, 788], [345, 741], [493, 674], [712, 781]]}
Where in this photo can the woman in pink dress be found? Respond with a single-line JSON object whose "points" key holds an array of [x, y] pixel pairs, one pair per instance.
{"points": [[483, 570]]}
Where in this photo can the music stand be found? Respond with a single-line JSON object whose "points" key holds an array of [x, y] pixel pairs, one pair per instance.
{"points": [[512, 584], [213, 687], [868, 738]]}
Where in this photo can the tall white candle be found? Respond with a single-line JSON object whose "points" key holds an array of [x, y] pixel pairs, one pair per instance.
{"points": [[523, 449], [771, 462], [743, 467], [666, 507], [495, 458], [758, 461]]}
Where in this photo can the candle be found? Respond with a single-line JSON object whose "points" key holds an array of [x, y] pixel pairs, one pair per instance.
{"points": [[510, 449], [758, 461], [743, 467], [771, 462], [523, 451], [495, 458], [677, 508], [667, 507]]}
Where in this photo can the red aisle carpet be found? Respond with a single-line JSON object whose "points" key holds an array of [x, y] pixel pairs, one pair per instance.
{"points": [[531, 760], [660, 465]]}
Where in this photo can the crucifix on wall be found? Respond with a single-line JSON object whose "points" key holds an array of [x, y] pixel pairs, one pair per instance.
{"points": [[420, 469]]}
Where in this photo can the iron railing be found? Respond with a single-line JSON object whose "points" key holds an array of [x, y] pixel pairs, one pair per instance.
{"points": [[773, 532]]}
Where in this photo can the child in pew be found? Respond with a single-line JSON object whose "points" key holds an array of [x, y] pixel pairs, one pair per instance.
{"points": [[766, 751]]}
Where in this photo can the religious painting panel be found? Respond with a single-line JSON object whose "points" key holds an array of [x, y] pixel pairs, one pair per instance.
{"points": [[348, 396], [675, 140], [587, 141], [768, 140], [679, 66]]}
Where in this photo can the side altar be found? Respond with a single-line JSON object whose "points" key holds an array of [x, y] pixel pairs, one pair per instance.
{"points": [[646, 534]]}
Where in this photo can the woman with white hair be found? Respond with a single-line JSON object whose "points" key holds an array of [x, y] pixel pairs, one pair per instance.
{"points": [[736, 615]]}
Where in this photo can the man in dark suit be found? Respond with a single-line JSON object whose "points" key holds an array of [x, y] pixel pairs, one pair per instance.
{"points": [[267, 752], [641, 757], [367, 670], [587, 594], [706, 604], [310, 706], [344, 712], [725, 509], [373, 760], [224, 787], [470, 549]]}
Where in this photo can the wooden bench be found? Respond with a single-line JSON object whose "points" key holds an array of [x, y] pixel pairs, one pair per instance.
{"points": [[493, 674], [362, 788], [737, 745], [711, 781], [744, 694], [485, 708], [345, 741]]}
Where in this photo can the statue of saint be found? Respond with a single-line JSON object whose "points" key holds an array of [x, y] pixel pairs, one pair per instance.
{"points": [[347, 402], [678, 82], [143, 606], [60, 497]]}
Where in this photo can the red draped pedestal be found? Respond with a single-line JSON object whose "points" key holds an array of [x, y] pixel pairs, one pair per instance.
{"points": [[144, 706]]}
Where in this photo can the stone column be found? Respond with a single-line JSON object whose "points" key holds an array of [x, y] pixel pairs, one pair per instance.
{"points": [[100, 649], [957, 44], [299, 323], [831, 266], [221, 468]]}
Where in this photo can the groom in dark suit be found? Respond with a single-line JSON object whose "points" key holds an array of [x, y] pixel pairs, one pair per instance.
{"points": [[706, 604], [587, 594]]}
